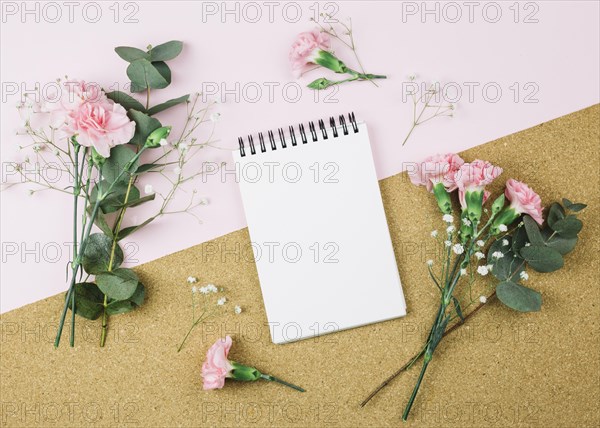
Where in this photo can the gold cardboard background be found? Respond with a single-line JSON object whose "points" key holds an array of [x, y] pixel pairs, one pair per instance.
{"points": [[502, 368]]}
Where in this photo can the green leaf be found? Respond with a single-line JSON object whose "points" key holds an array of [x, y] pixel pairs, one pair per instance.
{"points": [[138, 201], [508, 266], [127, 101], [144, 75], [100, 221], [568, 227], [457, 308], [533, 231], [577, 207], [97, 254], [558, 242], [519, 298], [115, 200], [164, 70], [542, 259], [555, 213], [144, 126], [168, 104], [89, 300], [567, 203], [149, 167], [519, 239], [120, 156], [130, 54], [120, 284], [139, 295], [119, 307], [129, 230], [166, 51]]}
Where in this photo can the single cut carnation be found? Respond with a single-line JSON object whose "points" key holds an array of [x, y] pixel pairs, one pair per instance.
{"points": [[217, 367], [305, 48], [437, 169], [84, 112], [524, 200]]}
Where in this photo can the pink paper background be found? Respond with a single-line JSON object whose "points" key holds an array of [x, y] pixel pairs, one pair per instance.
{"points": [[558, 55]]}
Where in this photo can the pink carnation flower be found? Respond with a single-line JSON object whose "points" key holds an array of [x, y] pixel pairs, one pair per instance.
{"points": [[217, 367], [524, 200], [84, 111], [474, 176], [437, 169], [305, 47]]}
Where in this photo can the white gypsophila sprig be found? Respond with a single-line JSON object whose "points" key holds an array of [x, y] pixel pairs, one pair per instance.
{"points": [[480, 243], [497, 255], [448, 218], [482, 270], [524, 276], [458, 249], [479, 255], [434, 233], [504, 242]]}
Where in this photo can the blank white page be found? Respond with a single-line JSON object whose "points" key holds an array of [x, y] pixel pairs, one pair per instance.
{"points": [[320, 237]]}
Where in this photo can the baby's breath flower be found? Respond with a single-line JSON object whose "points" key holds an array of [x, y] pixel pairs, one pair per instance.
{"points": [[177, 170], [194, 289], [458, 249], [211, 288], [482, 299], [479, 255], [502, 228], [434, 233], [450, 229], [504, 242], [463, 272], [163, 142], [148, 189], [221, 301], [490, 267], [215, 117], [482, 270], [480, 243], [524, 276], [203, 290], [448, 218], [527, 244], [192, 279], [497, 254], [37, 147], [448, 243], [466, 221], [429, 262], [237, 310]]}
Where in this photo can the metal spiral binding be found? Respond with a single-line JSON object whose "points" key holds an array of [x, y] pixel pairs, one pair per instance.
{"points": [[343, 123]]}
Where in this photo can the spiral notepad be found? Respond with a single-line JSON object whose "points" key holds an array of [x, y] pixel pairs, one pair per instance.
{"points": [[318, 229]]}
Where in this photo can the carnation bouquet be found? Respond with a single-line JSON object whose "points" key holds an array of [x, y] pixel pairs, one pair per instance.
{"points": [[502, 238], [106, 143]]}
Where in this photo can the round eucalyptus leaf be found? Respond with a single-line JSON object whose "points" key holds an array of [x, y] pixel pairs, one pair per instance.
{"points": [[558, 242], [568, 227], [89, 300], [519, 239], [533, 231], [97, 254], [518, 297], [542, 259], [555, 213], [120, 284], [120, 156], [510, 265], [138, 297], [119, 307]]}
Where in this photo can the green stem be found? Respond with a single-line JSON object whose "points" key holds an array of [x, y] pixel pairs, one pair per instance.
{"points": [[76, 190], [275, 379], [113, 249], [415, 390], [200, 318], [77, 262]]}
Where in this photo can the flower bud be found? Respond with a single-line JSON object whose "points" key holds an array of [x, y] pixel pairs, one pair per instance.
{"points": [[474, 202], [506, 217], [328, 60], [156, 136], [498, 204], [97, 158], [321, 83], [443, 198], [244, 373]]}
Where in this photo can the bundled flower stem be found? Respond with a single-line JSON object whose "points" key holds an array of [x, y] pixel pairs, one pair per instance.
{"points": [[99, 139], [526, 244]]}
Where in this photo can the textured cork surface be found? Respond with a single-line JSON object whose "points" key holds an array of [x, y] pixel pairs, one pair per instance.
{"points": [[502, 368]]}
